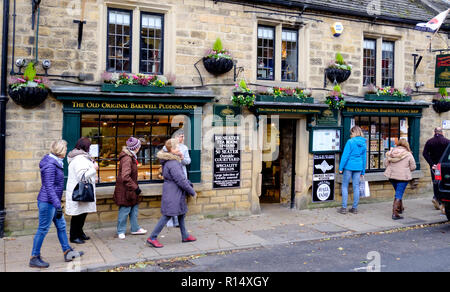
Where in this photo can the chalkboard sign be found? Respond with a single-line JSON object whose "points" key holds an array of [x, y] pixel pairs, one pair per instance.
{"points": [[323, 178], [227, 161]]}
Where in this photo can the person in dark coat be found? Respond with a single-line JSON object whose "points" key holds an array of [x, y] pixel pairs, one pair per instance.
{"points": [[175, 188], [49, 205], [432, 152], [127, 191]]}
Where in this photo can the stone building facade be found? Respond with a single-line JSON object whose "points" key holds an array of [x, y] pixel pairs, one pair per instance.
{"points": [[190, 27]]}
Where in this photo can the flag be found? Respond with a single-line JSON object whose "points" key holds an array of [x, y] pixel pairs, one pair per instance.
{"points": [[434, 24]]}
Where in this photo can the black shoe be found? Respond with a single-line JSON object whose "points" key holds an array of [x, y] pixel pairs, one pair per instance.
{"points": [[353, 210], [342, 210], [71, 254], [84, 237], [77, 241], [37, 262]]}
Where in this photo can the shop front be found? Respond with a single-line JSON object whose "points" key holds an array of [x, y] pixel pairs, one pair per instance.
{"points": [[384, 124], [109, 119]]}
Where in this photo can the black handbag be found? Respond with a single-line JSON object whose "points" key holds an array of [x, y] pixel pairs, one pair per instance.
{"points": [[83, 192]]}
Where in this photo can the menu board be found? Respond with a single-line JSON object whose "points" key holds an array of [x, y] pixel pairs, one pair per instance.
{"points": [[326, 140], [227, 161]]}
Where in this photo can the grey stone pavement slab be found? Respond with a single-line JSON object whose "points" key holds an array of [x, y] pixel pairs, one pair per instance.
{"points": [[276, 224]]}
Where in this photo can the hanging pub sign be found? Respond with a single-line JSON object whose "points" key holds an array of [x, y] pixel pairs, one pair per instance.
{"points": [[323, 178], [227, 161], [442, 74]]}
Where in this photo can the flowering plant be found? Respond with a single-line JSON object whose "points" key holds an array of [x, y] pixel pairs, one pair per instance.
{"points": [[243, 96], [442, 95], [218, 52], [29, 79], [388, 90], [336, 99], [134, 79], [339, 63], [295, 92]]}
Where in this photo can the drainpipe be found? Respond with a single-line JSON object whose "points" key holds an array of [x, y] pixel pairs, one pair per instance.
{"points": [[3, 101]]}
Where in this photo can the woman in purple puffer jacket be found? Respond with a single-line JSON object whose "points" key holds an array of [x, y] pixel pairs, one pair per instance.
{"points": [[49, 205]]}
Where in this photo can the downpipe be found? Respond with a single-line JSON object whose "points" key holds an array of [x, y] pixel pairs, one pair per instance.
{"points": [[3, 102]]}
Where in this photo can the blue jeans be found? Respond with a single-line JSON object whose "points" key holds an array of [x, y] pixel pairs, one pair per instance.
{"points": [[46, 216], [399, 187], [354, 175], [124, 213], [163, 221]]}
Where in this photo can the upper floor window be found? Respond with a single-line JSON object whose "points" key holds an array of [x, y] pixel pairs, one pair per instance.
{"points": [[387, 64], [266, 48], [119, 40], [369, 62], [151, 43], [289, 55]]}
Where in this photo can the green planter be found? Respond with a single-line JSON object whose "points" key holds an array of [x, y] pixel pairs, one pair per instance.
{"points": [[290, 99], [375, 97], [137, 88]]}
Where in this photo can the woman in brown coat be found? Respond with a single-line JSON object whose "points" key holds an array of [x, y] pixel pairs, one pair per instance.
{"points": [[126, 193], [399, 164]]}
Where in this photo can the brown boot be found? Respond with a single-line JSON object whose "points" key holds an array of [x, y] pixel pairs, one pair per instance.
{"points": [[401, 208], [395, 210]]}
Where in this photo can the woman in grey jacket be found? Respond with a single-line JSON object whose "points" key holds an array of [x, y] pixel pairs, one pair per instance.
{"points": [[175, 188]]}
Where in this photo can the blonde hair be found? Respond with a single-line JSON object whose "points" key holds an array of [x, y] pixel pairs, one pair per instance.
{"points": [[171, 144], [402, 142], [59, 148], [356, 131]]}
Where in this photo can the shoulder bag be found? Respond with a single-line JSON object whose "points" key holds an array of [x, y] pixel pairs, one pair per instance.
{"points": [[83, 192]]}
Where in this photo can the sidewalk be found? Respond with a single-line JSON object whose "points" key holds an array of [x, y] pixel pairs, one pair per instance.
{"points": [[275, 225]]}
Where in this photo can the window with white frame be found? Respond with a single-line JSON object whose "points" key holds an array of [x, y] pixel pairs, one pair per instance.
{"points": [[387, 64], [148, 55], [266, 53], [289, 55]]}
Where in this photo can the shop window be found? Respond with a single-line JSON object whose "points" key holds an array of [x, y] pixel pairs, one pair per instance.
{"points": [[387, 64], [151, 43], [369, 62], [382, 134], [266, 48], [119, 40], [109, 134], [289, 57]]}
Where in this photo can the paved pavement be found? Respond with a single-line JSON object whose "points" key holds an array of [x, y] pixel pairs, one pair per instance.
{"points": [[275, 225]]}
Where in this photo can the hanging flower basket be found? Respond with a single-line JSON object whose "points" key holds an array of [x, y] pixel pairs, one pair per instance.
{"points": [[28, 97], [441, 106], [217, 66], [336, 75]]}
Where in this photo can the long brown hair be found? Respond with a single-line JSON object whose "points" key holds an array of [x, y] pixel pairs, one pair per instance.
{"points": [[404, 143]]}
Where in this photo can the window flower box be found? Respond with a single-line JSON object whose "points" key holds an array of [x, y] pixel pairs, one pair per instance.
{"points": [[387, 94], [290, 99], [137, 88], [375, 97], [140, 83]]}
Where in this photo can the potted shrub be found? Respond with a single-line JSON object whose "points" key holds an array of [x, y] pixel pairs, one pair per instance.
{"points": [[242, 95], [335, 99], [123, 82], [29, 90], [279, 94], [441, 101], [387, 94], [338, 71], [218, 61]]}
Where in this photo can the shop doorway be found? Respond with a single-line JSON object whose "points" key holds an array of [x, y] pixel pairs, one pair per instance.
{"points": [[278, 163]]}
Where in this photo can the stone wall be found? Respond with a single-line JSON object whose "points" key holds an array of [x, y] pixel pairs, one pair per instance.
{"points": [[196, 25]]}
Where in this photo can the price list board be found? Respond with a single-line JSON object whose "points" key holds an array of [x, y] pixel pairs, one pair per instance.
{"points": [[227, 161]]}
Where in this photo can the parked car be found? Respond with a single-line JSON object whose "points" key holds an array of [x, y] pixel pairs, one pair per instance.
{"points": [[442, 178]]}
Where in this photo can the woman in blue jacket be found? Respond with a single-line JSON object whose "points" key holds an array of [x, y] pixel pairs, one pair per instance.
{"points": [[353, 165], [49, 205]]}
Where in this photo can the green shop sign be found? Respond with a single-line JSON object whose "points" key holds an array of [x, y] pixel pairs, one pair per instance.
{"points": [[227, 115], [442, 77], [107, 105]]}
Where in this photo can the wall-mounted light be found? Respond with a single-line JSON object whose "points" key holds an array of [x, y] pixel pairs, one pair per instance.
{"points": [[46, 64], [21, 63]]}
